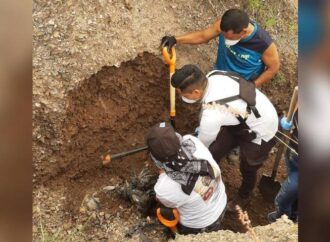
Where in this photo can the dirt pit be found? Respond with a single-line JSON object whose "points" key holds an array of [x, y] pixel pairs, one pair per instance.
{"points": [[112, 110]]}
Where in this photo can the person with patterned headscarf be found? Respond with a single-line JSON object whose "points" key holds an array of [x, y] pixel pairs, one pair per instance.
{"points": [[189, 180]]}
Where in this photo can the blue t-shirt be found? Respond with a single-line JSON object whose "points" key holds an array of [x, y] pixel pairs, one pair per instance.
{"points": [[244, 58]]}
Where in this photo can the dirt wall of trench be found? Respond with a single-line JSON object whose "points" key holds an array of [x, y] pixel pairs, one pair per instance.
{"points": [[112, 110]]}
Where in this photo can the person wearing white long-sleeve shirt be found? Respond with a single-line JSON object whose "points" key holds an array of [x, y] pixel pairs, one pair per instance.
{"points": [[189, 181], [226, 126]]}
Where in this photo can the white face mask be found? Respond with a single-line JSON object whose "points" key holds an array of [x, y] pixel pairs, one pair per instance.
{"points": [[230, 42], [187, 100]]}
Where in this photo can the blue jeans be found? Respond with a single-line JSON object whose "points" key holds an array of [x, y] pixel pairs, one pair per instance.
{"points": [[286, 201]]}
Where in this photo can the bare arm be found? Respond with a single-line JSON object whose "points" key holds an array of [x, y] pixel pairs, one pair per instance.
{"points": [[271, 59], [201, 36]]}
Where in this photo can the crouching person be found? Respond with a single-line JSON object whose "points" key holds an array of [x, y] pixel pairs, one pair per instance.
{"points": [[189, 180]]}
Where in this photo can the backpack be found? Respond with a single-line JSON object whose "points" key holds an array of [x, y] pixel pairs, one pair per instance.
{"points": [[247, 92]]}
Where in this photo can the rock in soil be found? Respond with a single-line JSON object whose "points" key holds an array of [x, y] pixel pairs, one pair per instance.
{"points": [[93, 204]]}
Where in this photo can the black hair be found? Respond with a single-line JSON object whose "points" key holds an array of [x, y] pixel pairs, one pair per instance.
{"points": [[234, 19], [188, 77]]}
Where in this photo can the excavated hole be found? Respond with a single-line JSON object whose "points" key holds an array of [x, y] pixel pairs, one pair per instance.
{"points": [[112, 110]]}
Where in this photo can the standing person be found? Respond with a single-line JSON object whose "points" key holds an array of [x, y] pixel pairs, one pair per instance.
{"points": [[227, 121], [189, 181], [286, 201], [244, 46]]}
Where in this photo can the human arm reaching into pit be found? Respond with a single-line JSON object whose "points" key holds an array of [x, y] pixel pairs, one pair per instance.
{"points": [[194, 38], [244, 46]]}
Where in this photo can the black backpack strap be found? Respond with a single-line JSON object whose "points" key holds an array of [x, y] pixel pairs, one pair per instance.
{"points": [[235, 76], [238, 78], [254, 111], [227, 99]]}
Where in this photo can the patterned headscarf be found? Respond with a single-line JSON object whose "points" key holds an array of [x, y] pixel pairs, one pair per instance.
{"points": [[184, 168]]}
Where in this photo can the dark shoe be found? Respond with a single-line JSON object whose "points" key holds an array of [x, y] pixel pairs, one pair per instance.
{"points": [[238, 200], [273, 216]]}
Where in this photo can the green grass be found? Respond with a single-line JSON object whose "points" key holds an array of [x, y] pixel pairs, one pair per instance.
{"points": [[270, 22], [262, 13], [254, 5], [280, 78]]}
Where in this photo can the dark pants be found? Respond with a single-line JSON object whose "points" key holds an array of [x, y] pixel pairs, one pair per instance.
{"points": [[252, 155], [286, 200], [211, 228]]}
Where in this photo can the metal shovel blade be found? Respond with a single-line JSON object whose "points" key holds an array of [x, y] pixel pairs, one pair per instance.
{"points": [[269, 188]]}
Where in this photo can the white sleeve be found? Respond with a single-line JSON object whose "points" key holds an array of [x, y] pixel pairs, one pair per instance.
{"points": [[211, 122], [169, 193], [209, 126], [168, 203]]}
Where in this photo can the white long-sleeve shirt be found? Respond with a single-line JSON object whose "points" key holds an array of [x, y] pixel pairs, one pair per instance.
{"points": [[195, 211], [212, 118]]}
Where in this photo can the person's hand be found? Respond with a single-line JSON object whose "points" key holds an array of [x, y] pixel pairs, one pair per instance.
{"points": [[168, 41]]}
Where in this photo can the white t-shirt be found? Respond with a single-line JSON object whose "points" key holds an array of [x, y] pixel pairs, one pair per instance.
{"points": [[212, 118], [195, 212]]}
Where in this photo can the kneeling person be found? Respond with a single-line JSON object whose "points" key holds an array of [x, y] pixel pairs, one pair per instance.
{"points": [[189, 180]]}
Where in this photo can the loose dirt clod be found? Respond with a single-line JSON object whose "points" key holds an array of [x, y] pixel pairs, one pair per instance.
{"points": [[109, 188], [93, 203]]}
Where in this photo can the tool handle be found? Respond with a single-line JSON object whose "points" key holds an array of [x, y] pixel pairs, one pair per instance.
{"points": [[172, 101], [277, 161], [293, 104], [170, 59], [106, 159], [172, 121], [130, 152], [289, 117]]}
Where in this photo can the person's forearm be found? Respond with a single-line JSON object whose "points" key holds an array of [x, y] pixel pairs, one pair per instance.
{"points": [[265, 77], [192, 38]]}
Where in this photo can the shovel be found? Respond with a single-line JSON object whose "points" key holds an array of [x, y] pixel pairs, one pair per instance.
{"points": [[268, 186], [106, 159], [170, 59]]}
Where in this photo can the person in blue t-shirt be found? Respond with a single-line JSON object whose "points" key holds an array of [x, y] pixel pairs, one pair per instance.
{"points": [[244, 47]]}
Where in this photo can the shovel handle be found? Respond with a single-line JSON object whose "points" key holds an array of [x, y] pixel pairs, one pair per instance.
{"points": [[108, 158], [292, 108], [293, 104], [277, 161], [170, 59]]}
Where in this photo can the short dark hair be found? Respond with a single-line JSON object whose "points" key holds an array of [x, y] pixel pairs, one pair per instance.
{"points": [[234, 19], [188, 78]]}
